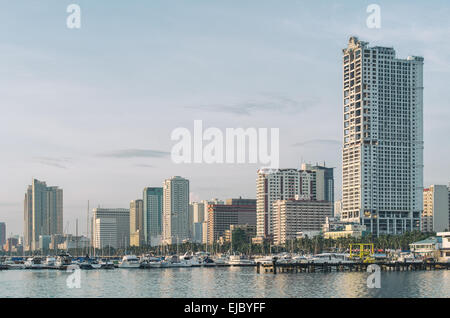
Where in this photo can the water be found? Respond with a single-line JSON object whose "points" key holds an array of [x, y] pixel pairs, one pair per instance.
{"points": [[220, 282]]}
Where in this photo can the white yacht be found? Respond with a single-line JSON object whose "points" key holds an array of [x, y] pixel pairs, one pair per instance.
{"points": [[14, 264], [222, 260], [63, 260], [34, 263], [331, 258], [237, 260], [193, 260], [130, 261], [264, 260], [49, 262], [176, 261]]}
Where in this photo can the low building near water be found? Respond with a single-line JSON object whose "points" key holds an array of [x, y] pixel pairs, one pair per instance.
{"points": [[428, 248], [333, 229], [444, 252]]}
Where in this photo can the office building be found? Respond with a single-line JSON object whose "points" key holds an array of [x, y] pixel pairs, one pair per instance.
{"points": [[435, 215], [292, 217], [308, 183], [43, 213], [175, 210], [233, 212], [2, 234], [153, 215], [111, 227], [137, 223], [382, 167]]}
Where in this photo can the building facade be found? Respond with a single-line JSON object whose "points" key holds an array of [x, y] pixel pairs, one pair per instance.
{"points": [[43, 213], [294, 216], [175, 210], [111, 227], [435, 215], [153, 214], [136, 222], [233, 212], [308, 183], [2, 234], [382, 164]]}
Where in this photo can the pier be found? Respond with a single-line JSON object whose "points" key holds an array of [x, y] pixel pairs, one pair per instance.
{"points": [[325, 267]]}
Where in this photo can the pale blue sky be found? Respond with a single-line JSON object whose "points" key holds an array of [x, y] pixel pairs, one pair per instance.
{"points": [[72, 100]]}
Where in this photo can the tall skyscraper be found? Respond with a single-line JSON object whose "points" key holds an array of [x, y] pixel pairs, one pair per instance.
{"points": [[2, 234], [435, 216], [382, 164], [308, 183], [111, 227], [176, 210], [153, 215], [136, 222], [43, 213]]}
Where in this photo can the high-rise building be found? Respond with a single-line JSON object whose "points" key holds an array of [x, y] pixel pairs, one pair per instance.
{"points": [[435, 215], [2, 234], [382, 164], [176, 210], [294, 216], [111, 227], [308, 183], [324, 181], [136, 222], [233, 212], [153, 215], [43, 213], [337, 209]]}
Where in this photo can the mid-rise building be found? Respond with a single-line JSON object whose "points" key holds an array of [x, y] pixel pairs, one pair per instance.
{"points": [[233, 212], [153, 215], [136, 222], [43, 213], [308, 183], [111, 227], [176, 210], [294, 216], [435, 215], [382, 164], [2, 234]]}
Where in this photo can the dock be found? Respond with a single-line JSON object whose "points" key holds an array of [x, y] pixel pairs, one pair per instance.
{"points": [[311, 267]]}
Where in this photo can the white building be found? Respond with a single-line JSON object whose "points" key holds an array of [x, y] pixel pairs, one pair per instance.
{"points": [[175, 210], [294, 216], [111, 227], [435, 215], [383, 139], [308, 183], [444, 253]]}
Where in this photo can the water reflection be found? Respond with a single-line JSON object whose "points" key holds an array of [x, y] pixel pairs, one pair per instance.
{"points": [[220, 282]]}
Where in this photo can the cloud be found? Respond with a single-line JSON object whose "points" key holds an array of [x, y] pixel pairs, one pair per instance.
{"points": [[53, 162], [268, 104], [135, 153], [330, 142]]}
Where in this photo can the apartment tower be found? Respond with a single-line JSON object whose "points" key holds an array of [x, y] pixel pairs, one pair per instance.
{"points": [[382, 164]]}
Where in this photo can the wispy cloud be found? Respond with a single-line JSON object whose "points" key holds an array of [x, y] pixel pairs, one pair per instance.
{"points": [[330, 142], [268, 104], [135, 153], [53, 162]]}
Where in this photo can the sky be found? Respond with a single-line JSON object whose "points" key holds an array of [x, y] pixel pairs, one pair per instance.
{"points": [[92, 109]]}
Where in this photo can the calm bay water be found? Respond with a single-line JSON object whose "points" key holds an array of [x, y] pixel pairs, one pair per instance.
{"points": [[220, 282]]}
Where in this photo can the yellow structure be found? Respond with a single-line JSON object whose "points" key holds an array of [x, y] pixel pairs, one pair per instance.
{"points": [[365, 253]]}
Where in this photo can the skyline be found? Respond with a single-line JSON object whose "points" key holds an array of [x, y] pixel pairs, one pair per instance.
{"points": [[53, 75]]}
